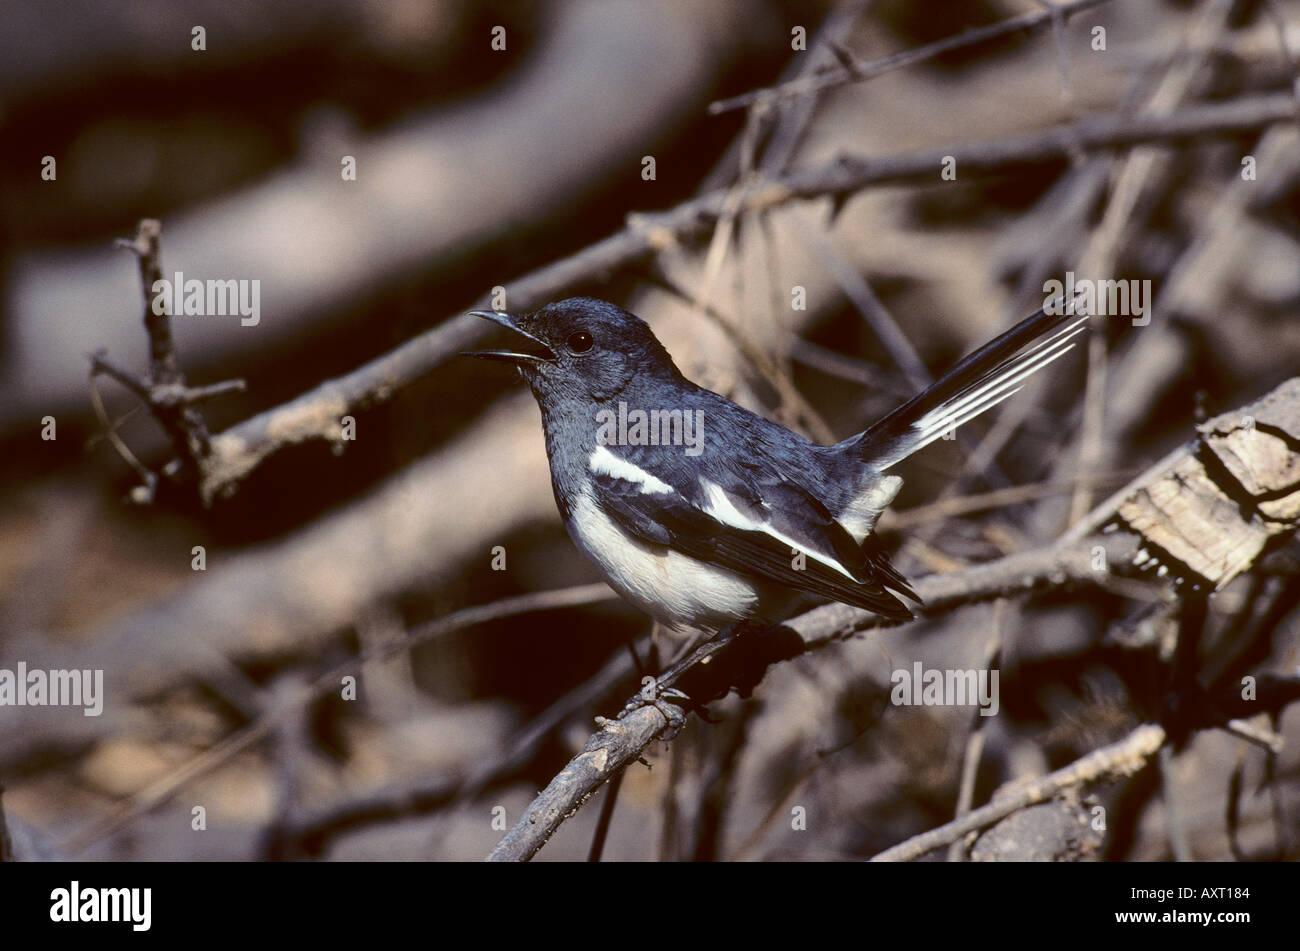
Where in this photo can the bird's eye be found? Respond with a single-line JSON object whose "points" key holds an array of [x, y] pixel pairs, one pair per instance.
{"points": [[580, 342]]}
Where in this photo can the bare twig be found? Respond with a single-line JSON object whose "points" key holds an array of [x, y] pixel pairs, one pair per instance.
{"points": [[864, 298], [613, 746], [855, 71], [148, 478], [1260, 734], [1122, 758], [163, 364], [165, 392], [893, 521], [1097, 131], [6, 842], [975, 739], [794, 403]]}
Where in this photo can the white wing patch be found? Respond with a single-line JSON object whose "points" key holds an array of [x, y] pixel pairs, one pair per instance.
{"points": [[604, 462], [722, 508]]}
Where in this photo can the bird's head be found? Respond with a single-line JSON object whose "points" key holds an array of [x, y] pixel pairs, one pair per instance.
{"points": [[581, 349]]}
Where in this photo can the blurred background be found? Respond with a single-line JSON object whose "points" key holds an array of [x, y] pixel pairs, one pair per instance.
{"points": [[568, 147]]}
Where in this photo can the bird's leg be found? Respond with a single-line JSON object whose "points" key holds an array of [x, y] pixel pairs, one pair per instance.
{"points": [[656, 691], [650, 694], [699, 653]]}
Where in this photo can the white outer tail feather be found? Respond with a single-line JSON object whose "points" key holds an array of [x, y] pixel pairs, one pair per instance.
{"points": [[1000, 384]]}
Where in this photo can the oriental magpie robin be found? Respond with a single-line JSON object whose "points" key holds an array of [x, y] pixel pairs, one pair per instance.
{"points": [[706, 515]]}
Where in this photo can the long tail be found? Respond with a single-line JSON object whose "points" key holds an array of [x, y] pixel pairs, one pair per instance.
{"points": [[979, 382]]}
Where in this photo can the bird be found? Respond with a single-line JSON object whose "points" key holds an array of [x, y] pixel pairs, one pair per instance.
{"points": [[708, 516]]}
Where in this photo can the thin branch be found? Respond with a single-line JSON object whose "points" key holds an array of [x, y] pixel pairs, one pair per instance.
{"points": [[163, 364], [1106, 130], [101, 364], [148, 478], [165, 392], [1260, 734], [864, 298], [975, 738], [6, 841], [797, 115], [894, 521], [855, 370], [854, 71], [1122, 758], [805, 416]]}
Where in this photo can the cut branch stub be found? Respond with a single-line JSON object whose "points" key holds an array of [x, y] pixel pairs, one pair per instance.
{"points": [[1219, 507]]}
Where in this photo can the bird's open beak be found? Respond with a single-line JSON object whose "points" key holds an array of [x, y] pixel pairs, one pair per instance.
{"points": [[547, 355]]}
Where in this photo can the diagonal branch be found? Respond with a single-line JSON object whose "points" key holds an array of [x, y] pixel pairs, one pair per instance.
{"points": [[314, 415], [855, 71], [619, 742], [1123, 758]]}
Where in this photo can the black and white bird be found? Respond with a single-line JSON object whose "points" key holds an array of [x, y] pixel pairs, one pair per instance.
{"points": [[705, 514]]}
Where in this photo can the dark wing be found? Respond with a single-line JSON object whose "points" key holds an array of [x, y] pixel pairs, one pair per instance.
{"points": [[758, 534]]}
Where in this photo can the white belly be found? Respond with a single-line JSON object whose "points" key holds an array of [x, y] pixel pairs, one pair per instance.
{"points": [[677, 589]]}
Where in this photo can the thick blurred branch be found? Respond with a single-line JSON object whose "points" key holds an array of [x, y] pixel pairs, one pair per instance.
{"points": [[432, 192]]}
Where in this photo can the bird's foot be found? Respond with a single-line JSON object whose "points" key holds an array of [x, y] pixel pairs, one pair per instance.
{"points": [[653, 695]]}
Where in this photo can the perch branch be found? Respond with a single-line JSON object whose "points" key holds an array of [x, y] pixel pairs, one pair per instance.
{"points": [[618, 742]]}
